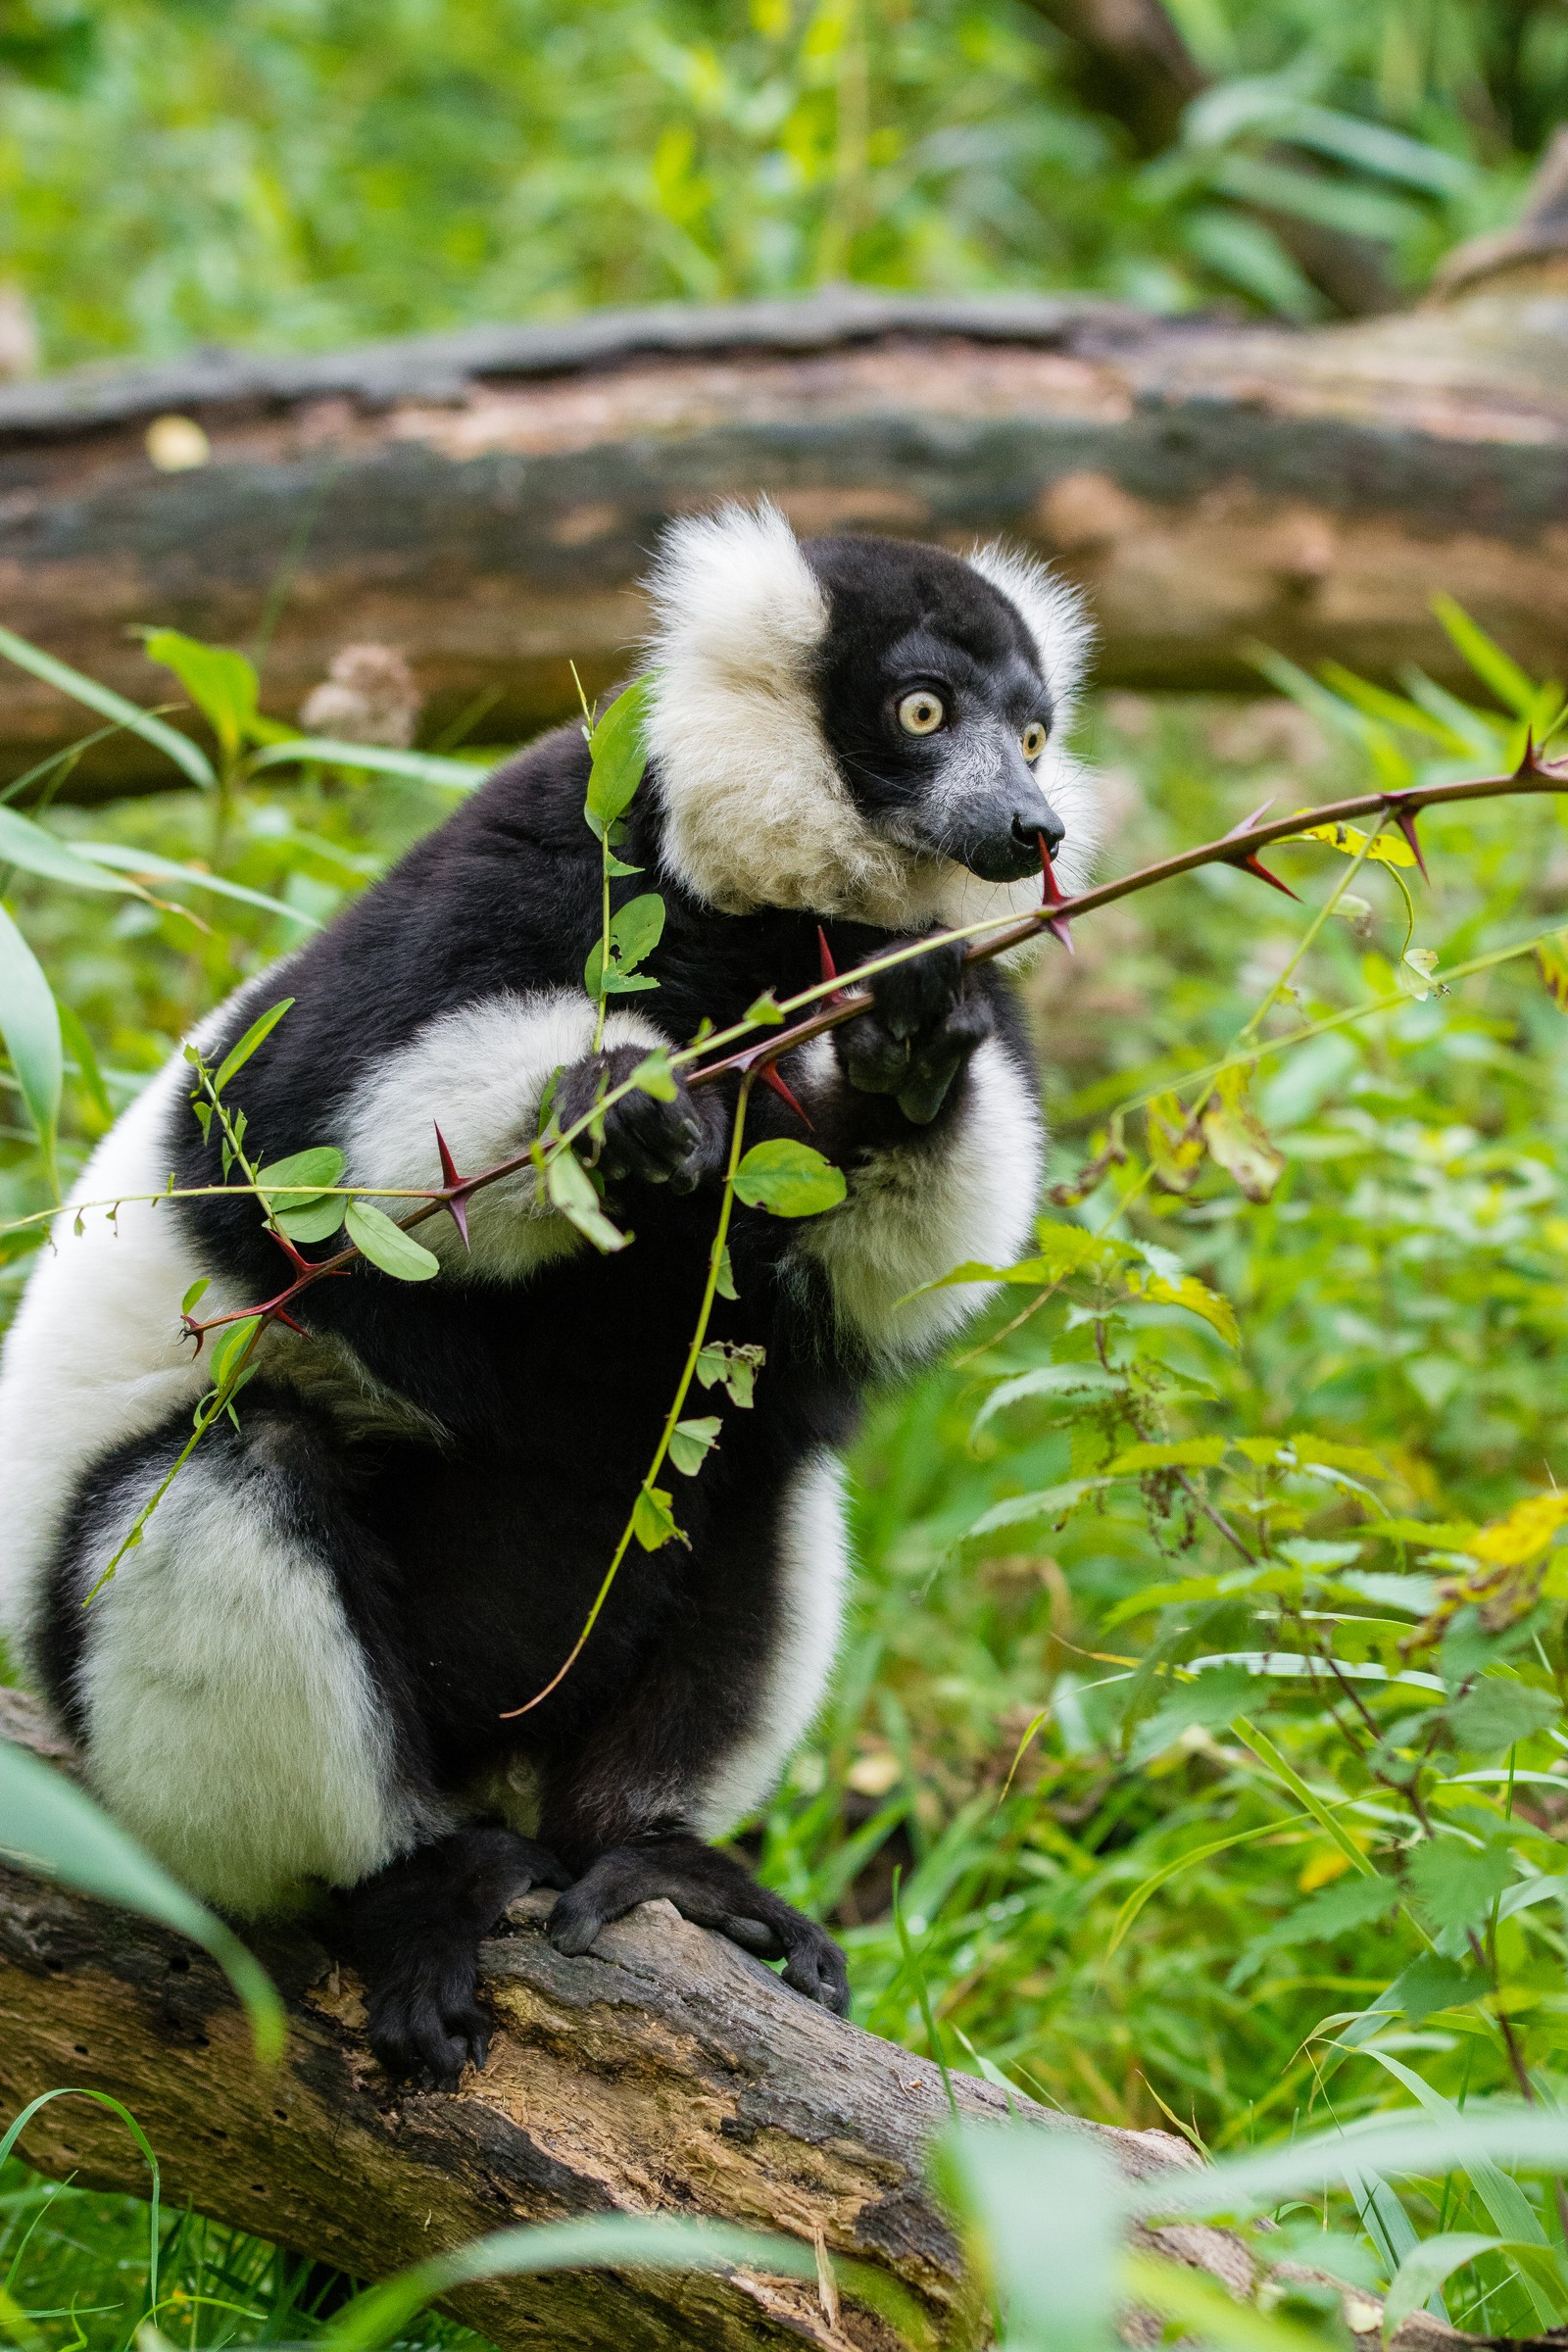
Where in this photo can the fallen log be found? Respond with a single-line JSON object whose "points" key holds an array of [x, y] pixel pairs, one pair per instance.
{"points": [[486, 501], [666, 2072]]}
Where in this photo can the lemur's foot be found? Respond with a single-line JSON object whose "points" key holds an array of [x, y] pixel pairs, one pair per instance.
{"points": [[651, 1140], [413, 1932], [713, 1892], [922, 1027]]}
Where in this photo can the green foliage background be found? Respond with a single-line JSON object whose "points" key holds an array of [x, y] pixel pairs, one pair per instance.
{"points": [[1021, 1731]]}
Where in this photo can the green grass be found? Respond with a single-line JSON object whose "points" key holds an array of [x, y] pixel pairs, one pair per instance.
{"points": [[1015, 1730]]}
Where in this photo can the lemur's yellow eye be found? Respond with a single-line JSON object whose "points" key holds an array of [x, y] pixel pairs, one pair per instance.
{"points": [[1032, 739], [921, 712]]}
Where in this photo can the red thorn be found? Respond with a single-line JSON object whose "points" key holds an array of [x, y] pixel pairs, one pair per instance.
{"points": [[194, 1331], [1254, 865], [1529, 765], [829, 969], [301, 1265], [457, 1207], [1248, 822], [280, 1315], [770, 1077], [1405, 819], [1051, 896]]}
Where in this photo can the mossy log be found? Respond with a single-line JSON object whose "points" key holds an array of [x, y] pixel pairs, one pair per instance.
{"points": [[486, 501], [664, 2073]]}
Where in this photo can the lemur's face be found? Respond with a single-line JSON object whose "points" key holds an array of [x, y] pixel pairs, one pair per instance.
{"points": [[934, 707], [864, 727]]}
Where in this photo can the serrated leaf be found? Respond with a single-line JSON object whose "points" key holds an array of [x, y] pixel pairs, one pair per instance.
{"points": [[690, 1443], [569, 1188], [1059, 1382], [788, 1179], [1196, 1297], [1175, 1151], [220, 682], [1498, 1712], [1329, 1454], [764, 1010], [237, 1055], [1457, 1885], [1046, 1502], [29, 1023], [1182, 1453], [653, 1520], [387, 1245]]}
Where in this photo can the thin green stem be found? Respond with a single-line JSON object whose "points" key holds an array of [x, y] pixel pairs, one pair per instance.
{"points": [[715, 1261]]}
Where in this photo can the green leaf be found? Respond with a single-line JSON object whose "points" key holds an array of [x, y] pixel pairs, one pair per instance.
{"points": [[635, 2241], [735, 1364], [1497, 1712], [1425, 2269], [29, 1023], [1184, 1290], [237, 1055], [724, 1279], [196, 1294], [293, 1193], [387, 1245], [635, 930], [1185, 1454], [1049, 1383], [1207, 1702], [374, 759], [1049, 2206], [143, 866], [228, 1348], [571, 1190], [185, 754], [655, 1076], [1431, 1983], [221, 683], [765, 1011], [1457, 1885], [690, 1443], [789, 1179], [652, 1522], [1497, 673], [74, 1035], [54, 1829], [37, 852], [1046, 1502], [618, 743]]}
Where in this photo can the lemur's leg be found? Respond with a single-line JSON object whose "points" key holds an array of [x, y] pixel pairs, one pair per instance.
{"points": [[929, 1104], [703, 1738], [236, 1692]]}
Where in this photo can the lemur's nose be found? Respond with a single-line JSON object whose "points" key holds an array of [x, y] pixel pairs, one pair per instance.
{"points": [[1031, 825]]}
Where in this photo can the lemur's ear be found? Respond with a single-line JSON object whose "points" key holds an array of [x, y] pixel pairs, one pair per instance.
{"points": [[1052, 611]]}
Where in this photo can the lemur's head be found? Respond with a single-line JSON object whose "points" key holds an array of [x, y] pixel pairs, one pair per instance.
{"points": [[863, 727]]}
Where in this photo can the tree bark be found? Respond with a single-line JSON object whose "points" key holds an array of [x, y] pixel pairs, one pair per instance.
{"points": [[487, 502], [666, 2072]]}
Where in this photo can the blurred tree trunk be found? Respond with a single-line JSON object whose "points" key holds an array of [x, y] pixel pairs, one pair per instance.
{"points": [[486, 503]]}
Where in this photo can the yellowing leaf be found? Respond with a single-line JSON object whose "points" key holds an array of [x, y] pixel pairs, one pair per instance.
{"points": [[1328, 1453], [1390, 848], [1551, 962], [1322, 1868], [1187, 1291], [1175, 1151], [1522, 1533], [1238, 1140]]}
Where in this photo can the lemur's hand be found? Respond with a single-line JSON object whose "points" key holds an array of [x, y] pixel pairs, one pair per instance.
{"points": [[921, 1030], [644, 1139]]}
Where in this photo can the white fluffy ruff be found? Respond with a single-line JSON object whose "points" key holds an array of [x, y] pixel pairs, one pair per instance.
{"points": [[756, 811]]}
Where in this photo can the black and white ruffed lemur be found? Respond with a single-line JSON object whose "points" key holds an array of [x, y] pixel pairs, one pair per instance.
{"points": [[299, 1679]]}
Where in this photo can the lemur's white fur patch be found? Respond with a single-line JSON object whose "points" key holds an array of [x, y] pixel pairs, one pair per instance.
{"points": [[756, 811], [478, 1075], [232, 1724], [910, 1216], [95, 1356], [813, 1574]]}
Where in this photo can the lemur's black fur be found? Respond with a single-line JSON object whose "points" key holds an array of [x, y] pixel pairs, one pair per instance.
{"points": [[467, 1560]]}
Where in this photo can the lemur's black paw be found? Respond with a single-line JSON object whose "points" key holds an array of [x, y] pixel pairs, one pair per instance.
{"points": [[713, 1890], [920, 1033], [413, 1932], [640, 1137]]}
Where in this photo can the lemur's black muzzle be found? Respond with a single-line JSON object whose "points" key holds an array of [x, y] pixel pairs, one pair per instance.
{"points": [[1006, 846]]}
